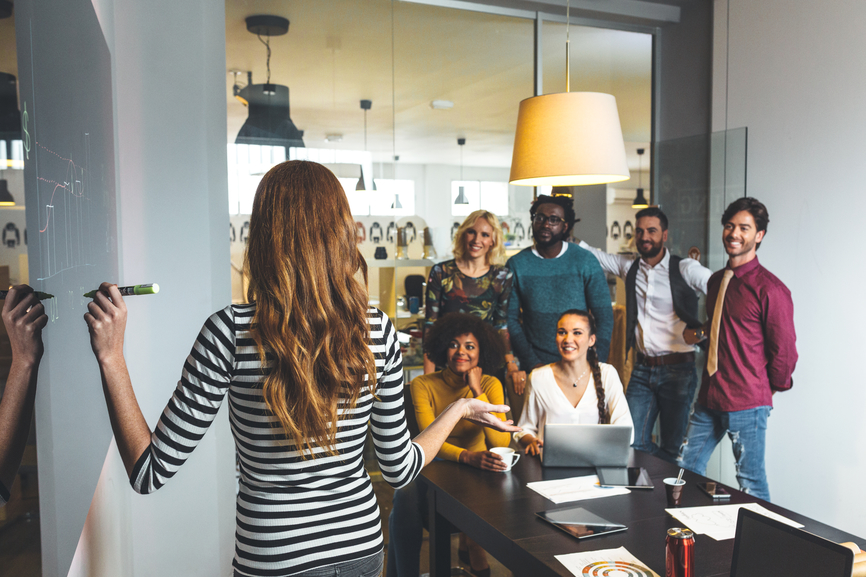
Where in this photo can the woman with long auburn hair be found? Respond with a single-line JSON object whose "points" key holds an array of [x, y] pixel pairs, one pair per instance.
{"points": [[307, 368]]}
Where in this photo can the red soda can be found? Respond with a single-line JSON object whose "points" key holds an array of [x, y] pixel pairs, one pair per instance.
{"points": [[679, 553]]}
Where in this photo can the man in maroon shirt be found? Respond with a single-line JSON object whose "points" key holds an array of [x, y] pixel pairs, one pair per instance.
{"points": [[752, 352]]}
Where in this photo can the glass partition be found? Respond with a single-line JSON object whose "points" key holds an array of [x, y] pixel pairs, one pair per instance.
{"points": [[695, 179]]}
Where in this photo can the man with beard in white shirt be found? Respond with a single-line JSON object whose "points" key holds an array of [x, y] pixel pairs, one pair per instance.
{"points": [[661, 301]]}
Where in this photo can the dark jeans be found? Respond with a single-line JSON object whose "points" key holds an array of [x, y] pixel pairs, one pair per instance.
{"points": [[406, 530], [747, 430], [666, 391]]}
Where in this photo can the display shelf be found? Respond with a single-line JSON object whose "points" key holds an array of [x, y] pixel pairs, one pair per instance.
{"points": [[399, 263]]}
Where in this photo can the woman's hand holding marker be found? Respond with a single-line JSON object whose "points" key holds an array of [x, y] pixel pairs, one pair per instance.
{"points": [[139, 289], [106, 321]]}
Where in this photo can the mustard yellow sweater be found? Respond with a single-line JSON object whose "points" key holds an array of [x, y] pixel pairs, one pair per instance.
{"points": [[433, 392]]}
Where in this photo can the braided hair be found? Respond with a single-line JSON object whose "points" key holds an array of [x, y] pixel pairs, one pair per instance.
{"points": [[592, 358]]}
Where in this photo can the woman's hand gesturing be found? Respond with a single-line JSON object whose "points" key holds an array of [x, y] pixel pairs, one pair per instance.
{"points": [[481, 413]]}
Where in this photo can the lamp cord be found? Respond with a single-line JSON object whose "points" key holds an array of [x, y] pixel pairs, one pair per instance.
{"points": [[393, 96], [268, 46], [567, 45]]}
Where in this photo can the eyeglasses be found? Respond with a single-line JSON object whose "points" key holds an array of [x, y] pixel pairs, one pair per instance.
{"points": [[553, 220]]}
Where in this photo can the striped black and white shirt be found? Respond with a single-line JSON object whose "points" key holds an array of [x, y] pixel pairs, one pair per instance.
{"points": [[292, 514]]}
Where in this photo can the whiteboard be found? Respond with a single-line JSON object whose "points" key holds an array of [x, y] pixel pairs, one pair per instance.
{"points": [[65, 88]]}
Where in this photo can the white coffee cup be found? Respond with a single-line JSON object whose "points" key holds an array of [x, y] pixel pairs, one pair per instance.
{"points": [[507, 454]]}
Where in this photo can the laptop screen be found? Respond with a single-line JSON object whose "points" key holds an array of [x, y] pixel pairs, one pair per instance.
{"points": [[765, 547]]}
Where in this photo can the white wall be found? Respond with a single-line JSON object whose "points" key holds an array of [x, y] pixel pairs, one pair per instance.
{"points": [[796, 80], [168, 66]]}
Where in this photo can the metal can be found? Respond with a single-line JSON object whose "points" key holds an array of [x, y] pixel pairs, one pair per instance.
{"points": [[679, 553]]}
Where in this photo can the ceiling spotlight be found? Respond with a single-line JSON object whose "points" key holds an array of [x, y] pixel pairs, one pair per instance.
{"points": [[334, 137]]}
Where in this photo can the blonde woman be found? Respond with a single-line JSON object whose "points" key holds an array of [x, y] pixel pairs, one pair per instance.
{"points": [[306, 367], [475, 281]]}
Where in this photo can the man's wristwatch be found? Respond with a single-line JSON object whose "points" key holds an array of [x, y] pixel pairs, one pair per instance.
{"points": [[700, 333]]}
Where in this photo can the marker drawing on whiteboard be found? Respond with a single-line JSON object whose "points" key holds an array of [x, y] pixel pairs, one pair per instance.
{"points": [[139, 289]]}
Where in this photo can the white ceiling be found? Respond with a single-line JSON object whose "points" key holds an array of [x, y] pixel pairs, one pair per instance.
{"points": [[338, 52]]}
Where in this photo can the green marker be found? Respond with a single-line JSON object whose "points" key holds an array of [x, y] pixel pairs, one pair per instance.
{"points": [[39, 295], [139, 289]]}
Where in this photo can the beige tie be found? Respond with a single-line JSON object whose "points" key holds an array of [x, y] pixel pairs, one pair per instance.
{"points": [[713, 353]]}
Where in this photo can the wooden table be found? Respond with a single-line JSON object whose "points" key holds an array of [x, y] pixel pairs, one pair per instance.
{"points": [[497, 510]]}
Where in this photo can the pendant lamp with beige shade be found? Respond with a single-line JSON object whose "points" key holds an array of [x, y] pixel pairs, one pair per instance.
{"points": [[568, 139]]}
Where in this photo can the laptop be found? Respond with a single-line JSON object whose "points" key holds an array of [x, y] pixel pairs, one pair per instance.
{"points": [[571, 445], [764, 546]]}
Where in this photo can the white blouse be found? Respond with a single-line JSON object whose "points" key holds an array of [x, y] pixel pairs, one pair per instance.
{"points": [[546, 403]]}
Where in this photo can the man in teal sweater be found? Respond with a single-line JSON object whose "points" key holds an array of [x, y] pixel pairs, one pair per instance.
{"points": [[550, 278]]}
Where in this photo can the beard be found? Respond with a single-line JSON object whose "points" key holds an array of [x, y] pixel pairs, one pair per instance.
{"points": [[554, 239], [650, 252]]}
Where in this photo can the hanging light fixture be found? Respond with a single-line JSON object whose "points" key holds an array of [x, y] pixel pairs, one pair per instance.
{"points": [[362, 185], [461, 194], [568, 139], [396, 204], [268, 122], [639, 200], [10, 121], [5, 196]]}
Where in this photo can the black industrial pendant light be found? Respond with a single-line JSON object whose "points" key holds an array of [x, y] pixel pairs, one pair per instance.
{"points": [[361, 186], [5, 196], [461, 194], [10, 116], [639, 200], [268, 122]]}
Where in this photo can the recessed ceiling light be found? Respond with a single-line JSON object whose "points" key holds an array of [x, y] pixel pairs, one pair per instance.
{"points": [[441, 104], [334, 137]]}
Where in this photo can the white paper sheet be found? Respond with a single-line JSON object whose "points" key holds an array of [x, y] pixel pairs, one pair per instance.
{"points": [[575, 489], [609, 562], [720, 521]]}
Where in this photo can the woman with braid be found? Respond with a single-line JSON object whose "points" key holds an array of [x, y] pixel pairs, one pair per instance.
{"points": [[575, 389]]}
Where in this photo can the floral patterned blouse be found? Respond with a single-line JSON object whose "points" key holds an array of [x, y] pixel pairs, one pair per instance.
{"points": [[451, 291]]}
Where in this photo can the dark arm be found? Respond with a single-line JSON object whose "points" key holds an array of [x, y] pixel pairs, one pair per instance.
{"points": [[598, 301], [24, 328]]}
